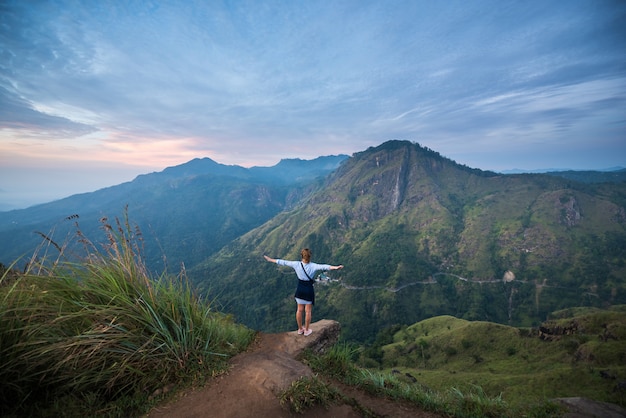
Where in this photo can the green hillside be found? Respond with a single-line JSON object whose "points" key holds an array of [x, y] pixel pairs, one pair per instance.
{"points": [[421, 236], [576, 354]]}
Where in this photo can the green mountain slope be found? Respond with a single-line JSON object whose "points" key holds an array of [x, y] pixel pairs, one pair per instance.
{"points": [[421, 235], [576, 353]]}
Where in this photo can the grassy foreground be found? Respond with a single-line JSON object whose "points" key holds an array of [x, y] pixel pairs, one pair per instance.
{"points": [[99, 336]]}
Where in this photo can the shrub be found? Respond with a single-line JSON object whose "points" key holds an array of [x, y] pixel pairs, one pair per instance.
{"points": [[451, 351]]}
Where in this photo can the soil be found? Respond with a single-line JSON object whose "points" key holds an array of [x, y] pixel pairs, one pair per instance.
{"points": [[256, 377]]}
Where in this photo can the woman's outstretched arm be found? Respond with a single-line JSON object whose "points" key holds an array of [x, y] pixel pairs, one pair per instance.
{"points": [[271, 260]]}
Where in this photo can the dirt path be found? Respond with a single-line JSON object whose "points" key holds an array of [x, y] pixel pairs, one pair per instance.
{"points": [[251, 386]]}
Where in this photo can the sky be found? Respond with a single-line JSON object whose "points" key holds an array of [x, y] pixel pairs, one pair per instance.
{"points": [[94, 93]]}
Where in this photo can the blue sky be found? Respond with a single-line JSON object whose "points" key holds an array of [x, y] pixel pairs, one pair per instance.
{"points": [[94, 93]]}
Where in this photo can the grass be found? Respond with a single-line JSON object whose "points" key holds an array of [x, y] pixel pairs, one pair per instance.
{"points": [[100, 334], [516, 363], [455, 401], [307, 392]]}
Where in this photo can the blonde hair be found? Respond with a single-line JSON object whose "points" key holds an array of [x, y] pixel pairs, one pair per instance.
{"points": [[306, 255]]}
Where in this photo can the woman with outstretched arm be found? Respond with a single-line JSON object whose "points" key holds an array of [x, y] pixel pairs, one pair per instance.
{"points": [[305, 294]]}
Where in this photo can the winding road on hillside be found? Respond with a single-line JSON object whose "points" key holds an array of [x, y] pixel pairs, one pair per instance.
{"points": [[432, 280]]}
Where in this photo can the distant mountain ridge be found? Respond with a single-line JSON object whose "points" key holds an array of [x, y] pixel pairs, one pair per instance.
{"points": [[609, 175], [185, 212], [615, 176], [287, 171], [558, 170]]}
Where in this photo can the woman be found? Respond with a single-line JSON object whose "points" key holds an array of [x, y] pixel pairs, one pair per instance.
{"points": [[305, 295]]}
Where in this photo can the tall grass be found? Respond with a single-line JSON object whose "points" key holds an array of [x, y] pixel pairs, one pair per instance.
{"points": [[100, 328]]}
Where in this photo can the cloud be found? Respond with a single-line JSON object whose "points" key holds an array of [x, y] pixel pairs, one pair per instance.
{"points": [[19, 116], [252, 82]]}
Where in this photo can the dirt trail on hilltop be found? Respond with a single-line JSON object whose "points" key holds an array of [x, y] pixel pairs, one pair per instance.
{"points": [[257, 376]]}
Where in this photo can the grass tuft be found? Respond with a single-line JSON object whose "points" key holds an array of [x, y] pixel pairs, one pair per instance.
{"points": [[307, 392]]}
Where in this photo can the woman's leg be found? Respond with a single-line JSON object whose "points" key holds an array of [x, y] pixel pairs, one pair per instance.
{"points": [[299, 313], [307, 321]]}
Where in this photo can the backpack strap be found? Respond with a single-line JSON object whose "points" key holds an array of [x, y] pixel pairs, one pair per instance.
{"points": [[307, 274]]}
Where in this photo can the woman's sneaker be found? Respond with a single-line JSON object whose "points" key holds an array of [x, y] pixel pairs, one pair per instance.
{"points": [[301, 331], [308, 332]]}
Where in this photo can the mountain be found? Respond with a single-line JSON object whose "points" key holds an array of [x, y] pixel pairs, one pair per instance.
{"points": [[184, 213], [421, 236]]}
